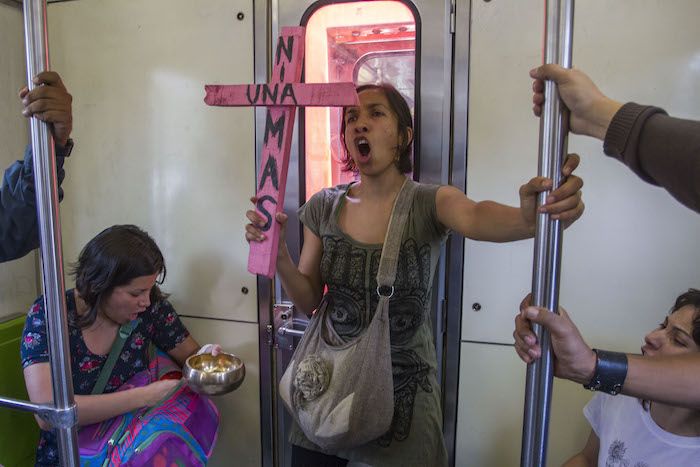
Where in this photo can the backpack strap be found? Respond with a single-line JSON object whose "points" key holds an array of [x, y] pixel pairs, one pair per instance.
{"points": [[124, 332]]}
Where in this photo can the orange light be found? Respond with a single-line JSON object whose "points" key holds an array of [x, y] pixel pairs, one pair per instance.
{"points": [[341, 34]]}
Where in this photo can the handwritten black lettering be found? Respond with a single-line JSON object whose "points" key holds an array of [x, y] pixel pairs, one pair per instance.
{"points": [[274, 128], [257, 93], [288, 91], [268, 92], [287, 50], [270, 170], [265, 212]]}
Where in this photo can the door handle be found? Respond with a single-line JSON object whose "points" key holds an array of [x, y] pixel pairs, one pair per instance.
{"points": [[284, 330], [288, 327]]}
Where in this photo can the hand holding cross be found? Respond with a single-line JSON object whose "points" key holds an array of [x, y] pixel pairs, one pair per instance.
{"points": [[281, 96]]}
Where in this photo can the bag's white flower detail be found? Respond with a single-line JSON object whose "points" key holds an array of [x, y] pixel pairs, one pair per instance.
{"points": [[312, 379]]}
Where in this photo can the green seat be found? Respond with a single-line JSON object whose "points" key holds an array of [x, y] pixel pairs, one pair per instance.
{"points": [[19, 432]]}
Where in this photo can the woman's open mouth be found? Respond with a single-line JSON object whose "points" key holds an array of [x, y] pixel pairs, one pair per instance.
{"points": [[362, 145]]}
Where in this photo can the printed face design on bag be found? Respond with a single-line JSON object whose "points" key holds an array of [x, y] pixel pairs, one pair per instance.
{"points": [[372, 133], [343, 267], [126, 302], [674, 336]]}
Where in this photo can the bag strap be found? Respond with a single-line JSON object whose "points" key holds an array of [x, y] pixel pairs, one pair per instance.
{"points": [[124, 332], [386, 275]]}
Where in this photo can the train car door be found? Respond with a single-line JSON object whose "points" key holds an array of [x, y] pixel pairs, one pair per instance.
{"points": [[405, 43]]}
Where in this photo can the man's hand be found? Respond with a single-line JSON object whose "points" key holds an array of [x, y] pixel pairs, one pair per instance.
{"points": [[573, 358], [591, 110], [49, 102]]}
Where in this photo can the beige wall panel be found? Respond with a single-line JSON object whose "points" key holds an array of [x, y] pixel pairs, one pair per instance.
{"points": [[18, 279], [490, 411], [239, 432], [636, 248], [624, 262], [149, 151]]}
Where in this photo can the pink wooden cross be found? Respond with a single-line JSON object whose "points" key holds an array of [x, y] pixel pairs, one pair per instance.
{"points": [[281, 96]]}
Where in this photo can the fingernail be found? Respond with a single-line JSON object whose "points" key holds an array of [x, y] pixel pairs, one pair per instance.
{"points": [[542, 209], [262, 237], [25, 112], [533, 71], [550, 199], [531, 312]]}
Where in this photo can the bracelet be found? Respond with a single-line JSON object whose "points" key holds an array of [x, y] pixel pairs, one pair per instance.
{"points": [[610, 372]]}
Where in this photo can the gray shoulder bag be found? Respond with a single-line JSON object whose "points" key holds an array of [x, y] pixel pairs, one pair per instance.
{"points": [[341, 394]]}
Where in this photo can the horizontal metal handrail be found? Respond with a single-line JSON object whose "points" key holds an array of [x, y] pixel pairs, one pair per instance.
{"points": [[54, 416]]}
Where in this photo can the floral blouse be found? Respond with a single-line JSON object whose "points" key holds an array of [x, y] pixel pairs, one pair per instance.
{"points": [[159, 325]]}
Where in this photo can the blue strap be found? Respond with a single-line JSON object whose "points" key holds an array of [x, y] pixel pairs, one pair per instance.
{"points": [[124, 332]]}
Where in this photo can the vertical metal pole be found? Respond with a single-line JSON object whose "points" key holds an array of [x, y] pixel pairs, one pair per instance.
{"points": [[548, 237], [36, 37]]}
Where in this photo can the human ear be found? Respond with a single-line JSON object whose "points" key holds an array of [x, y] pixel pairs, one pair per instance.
{"points": [[409, 135]]}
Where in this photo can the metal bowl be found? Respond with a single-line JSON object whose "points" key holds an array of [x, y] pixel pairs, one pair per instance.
{"points": [[213, 376]]}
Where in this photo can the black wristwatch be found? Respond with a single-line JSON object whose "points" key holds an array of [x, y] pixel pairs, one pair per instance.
{"points": [[65, 150], [610, 372]]}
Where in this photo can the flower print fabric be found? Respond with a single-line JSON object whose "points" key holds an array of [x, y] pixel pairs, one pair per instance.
{"points": [[629, 437], [160, 326]]}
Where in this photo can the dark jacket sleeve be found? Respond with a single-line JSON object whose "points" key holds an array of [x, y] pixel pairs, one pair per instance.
{"points": [[660, 149], [18, 216]]}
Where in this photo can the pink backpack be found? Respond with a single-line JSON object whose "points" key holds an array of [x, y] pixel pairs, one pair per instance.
{"points": [[180, 430]]}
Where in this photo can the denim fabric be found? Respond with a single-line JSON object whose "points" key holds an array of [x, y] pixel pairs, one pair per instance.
{"points": [[19, 226]]}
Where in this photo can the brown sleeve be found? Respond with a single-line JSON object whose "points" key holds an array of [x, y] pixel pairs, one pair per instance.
{"points": [[660, 149]]}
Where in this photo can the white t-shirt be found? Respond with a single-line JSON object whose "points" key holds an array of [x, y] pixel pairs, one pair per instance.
{"points": [[629, 437]]}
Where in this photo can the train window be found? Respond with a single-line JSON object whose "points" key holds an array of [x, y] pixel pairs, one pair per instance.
{"points": [[363, 42]]}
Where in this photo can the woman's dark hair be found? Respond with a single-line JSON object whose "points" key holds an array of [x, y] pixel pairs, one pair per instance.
{"points": [[691, 297], [403, 115], [113, 258]]}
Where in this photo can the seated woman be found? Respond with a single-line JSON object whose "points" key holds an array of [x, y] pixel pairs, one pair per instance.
{"points": [[344, 231], [117, 278], [629, 432]]}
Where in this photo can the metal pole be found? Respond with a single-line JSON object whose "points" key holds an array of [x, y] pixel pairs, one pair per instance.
{"points": [[36, 40], [548, 236], [20, 406]]}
